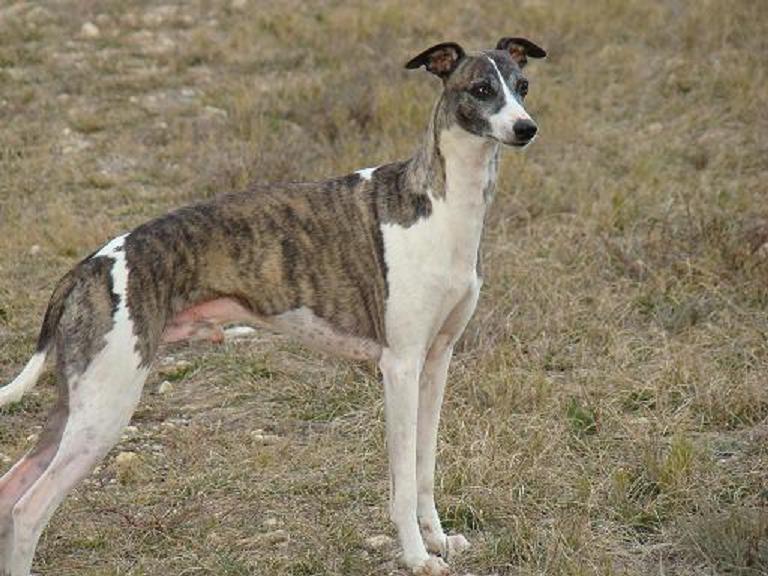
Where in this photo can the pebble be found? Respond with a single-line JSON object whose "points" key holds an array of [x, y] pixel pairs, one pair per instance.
{"points": [[90, 30], [130, 431], [379, 542], [35, 249], [238, 332], [165, 387], [73, 142], [263, 438], [655, 128], [276, 537]]}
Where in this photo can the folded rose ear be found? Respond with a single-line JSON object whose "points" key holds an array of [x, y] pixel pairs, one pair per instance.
{"points": [[441, 59], [521, 49]]}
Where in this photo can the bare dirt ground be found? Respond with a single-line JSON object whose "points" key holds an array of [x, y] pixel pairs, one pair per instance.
{"points": [[607, 412]]}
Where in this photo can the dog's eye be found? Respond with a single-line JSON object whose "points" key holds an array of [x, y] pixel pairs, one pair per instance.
{"points": [[522, 87], [482, 91]]}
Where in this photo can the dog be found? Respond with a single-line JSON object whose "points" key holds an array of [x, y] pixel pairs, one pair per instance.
{"points": [[382, 264]]}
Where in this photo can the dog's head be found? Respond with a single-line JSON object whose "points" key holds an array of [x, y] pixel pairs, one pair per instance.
{"points": [[484, 92]]}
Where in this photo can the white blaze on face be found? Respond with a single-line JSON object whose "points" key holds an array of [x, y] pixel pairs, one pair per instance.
{"points": [[502, 123]]}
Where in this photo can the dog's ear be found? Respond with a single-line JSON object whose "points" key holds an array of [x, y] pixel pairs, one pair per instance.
{"points": [[441, 59], [521, 49]]}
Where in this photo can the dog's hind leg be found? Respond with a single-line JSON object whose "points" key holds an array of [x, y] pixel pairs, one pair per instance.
{"points": [[25, 472], [101, 375], [101, 402]]}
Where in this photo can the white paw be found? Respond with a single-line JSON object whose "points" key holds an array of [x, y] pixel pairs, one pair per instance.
{"points": [[433, 566], [447, 546]]}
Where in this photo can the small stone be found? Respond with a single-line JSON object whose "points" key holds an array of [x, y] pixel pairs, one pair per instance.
{"points": [[276, 537], [165, 387], [236, 332], [130, 430], [260, 437], [655, 128], [35, 249], [379, 542], [90, 30]]}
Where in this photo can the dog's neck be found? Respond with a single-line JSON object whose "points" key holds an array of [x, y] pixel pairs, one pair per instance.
{"points": [[454, 165]]}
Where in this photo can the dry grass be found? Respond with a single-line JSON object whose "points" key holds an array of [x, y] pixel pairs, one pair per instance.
{"points": [[608, 410]]}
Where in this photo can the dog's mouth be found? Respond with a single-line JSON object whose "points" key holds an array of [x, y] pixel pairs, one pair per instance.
{"points": [[516, 142], [519, 143]]}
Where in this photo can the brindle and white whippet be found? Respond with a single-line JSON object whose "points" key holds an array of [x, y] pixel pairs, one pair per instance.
{"points": [[381, 264]]}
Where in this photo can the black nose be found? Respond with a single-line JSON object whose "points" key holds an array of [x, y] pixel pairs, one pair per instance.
{"points": [[524, 130]]}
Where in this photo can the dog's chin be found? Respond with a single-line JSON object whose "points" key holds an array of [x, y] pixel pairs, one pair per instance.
{"points": [[514, 142], [518, 143]]}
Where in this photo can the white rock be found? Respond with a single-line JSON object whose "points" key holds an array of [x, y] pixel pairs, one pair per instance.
{"points": [[379, 542], [35, 249], [165, 387], [90, 30], [262, 438], [276, 537], [655, 128], [236, 332], [72, 143]]}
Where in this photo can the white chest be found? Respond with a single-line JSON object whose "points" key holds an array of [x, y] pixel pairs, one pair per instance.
{"points": [[431, 265]]}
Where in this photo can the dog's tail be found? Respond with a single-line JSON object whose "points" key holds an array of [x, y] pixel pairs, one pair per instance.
{"points": [[34, 368], [24, 381]]}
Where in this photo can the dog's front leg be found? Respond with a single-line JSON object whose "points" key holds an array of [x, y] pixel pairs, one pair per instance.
{"points": [[401, 397], [431, 390]]}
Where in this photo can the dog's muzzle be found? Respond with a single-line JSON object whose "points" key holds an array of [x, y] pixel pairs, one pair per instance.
{"points": [[524, 131]]}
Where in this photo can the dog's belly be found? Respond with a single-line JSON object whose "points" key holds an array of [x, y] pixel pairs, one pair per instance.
{"points": [[204, 321]]}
